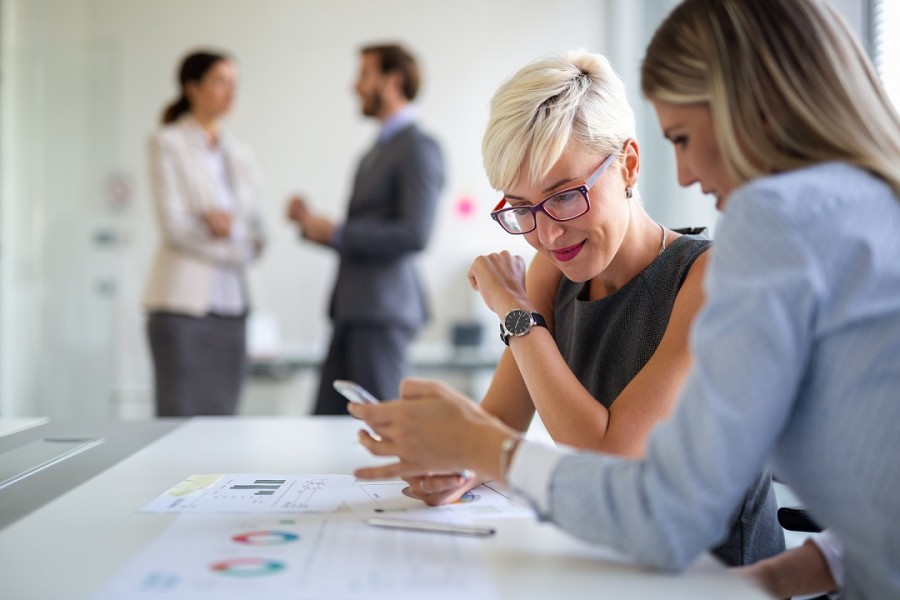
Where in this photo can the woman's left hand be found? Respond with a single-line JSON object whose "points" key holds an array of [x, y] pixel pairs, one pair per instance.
{"points": [[500, 279]]}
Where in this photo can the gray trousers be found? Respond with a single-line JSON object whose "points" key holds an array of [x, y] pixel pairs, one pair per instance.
{"points": [[199, 363], [374, 356]]}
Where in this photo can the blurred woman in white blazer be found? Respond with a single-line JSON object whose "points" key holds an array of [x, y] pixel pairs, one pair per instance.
{"points": [[207, 195]]}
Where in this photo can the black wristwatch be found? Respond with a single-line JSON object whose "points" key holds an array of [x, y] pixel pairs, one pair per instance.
{"points": [[519, 322]]}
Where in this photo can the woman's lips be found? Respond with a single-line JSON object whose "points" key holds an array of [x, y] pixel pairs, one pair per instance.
{"points": [[567, 254]]}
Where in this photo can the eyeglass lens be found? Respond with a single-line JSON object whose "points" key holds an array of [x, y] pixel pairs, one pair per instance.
{"points": [[560, 207]]}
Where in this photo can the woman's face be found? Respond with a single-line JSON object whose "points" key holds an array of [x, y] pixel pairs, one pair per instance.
{"points": [[213, 95], [690, 129], [584, 247]]}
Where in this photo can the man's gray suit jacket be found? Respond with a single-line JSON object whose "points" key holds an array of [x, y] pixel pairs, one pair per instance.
{"points": [[389, 220]]}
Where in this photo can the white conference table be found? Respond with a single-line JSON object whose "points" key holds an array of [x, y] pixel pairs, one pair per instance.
{"points": [[69, 547]]}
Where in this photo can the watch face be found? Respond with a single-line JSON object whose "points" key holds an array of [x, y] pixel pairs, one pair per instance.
{"points": [[517, 322]]}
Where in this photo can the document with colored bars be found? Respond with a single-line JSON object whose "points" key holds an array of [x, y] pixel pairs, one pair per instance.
{"points": [[253, 493]]}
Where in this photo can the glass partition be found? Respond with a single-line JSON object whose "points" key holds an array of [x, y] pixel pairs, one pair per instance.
{"points": [[60, 200]]}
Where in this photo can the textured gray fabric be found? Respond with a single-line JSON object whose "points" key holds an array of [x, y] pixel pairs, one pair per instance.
{"points": [[199, 363], [350, 357], [606, 342]]}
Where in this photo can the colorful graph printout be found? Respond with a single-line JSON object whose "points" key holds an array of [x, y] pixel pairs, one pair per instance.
{"points": [[254, 493], [200, 557]]}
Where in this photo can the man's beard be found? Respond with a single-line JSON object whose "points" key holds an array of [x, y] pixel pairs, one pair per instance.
{"points": [[372, 104]]}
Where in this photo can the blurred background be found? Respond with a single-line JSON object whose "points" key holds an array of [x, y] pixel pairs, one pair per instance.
{"points": [[84, 81]]}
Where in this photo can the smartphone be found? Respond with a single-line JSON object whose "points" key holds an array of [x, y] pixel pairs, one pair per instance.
{"points": [[432, 526], [354, 392]]}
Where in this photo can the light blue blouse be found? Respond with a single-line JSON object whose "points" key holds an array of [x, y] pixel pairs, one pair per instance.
{"points": [[797, 364]]}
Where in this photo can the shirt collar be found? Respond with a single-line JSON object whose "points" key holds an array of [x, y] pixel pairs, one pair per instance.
{"points": [[201, 138], [396, 122]]}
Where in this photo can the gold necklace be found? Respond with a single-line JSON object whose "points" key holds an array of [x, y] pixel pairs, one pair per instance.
{"points": [[662, 246]]}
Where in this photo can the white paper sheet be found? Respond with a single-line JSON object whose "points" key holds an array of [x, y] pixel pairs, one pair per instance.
{"points": [[254, 493], [300, 558], [385, 498]]}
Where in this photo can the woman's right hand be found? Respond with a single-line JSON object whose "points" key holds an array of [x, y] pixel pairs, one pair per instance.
{"points": [[219, 222], [444, 488]]}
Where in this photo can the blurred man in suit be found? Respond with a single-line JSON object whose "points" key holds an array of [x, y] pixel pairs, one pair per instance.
{"points": [[378, 304]]}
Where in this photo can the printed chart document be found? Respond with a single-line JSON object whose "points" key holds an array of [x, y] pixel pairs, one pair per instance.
{"points": [[300, 557], [254, 493], [387, 498]]}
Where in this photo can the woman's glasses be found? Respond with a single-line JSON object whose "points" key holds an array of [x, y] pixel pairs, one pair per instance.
{"points": [[561, 206]]}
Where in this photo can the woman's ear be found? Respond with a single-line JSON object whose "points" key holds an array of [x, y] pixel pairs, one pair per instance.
{"points": [[631, 162]]}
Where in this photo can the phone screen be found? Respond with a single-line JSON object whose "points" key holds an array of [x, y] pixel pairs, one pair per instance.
{"points": [[354, 392]]}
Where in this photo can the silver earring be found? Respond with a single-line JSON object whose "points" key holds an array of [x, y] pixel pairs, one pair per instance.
{"points": [[629, 192]]}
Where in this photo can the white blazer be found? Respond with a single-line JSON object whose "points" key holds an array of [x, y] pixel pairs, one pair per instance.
{"points": [[183, 190]]}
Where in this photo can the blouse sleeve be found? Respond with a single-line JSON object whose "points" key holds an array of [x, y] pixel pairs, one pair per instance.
{"points": [[181, 226]]}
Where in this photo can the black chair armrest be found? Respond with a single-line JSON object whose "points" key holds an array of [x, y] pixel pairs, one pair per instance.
{"points": [[796, 519]]}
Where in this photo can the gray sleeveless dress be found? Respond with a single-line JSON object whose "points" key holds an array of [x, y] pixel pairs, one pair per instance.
{"points": [[606, 343]]}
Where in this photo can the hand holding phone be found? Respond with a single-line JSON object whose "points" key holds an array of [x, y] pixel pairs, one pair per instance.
{"points": [[354, 392]]}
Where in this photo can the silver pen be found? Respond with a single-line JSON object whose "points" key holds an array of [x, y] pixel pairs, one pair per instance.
{"points": [[432, 526]]}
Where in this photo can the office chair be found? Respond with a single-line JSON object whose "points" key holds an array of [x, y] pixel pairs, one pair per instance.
{"points": [[796, 519], [791, 514], [792, 518]]}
